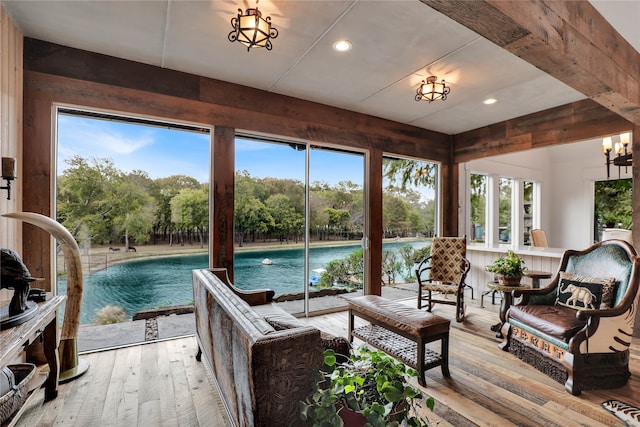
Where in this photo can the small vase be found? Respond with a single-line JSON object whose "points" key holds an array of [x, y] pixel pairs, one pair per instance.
{"points": [[509, 280]]}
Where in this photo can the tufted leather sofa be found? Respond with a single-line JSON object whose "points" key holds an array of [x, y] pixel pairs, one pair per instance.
{"points": [[585, 349], [262, 358]]}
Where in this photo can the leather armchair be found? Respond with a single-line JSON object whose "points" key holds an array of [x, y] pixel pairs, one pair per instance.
{"points": [[586, 349]]}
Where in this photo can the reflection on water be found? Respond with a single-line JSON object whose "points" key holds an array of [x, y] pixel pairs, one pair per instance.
{"points": [[151, 283]]}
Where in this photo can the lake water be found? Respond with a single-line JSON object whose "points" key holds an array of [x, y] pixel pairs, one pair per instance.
{"points": [[151, 283]]}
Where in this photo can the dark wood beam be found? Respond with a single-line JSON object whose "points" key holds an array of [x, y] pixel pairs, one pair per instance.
{"points": [[224, 104], [222, 191], [573, 122], [568, 40]]}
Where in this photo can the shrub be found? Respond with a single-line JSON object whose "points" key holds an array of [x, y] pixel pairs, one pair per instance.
{"points": [[110, 314]]}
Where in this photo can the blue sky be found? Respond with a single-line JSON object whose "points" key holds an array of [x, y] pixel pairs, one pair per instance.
{"points": [[164, 152]]}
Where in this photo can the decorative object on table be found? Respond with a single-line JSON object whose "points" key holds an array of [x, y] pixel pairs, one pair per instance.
{"points": [[15, 275], [508, 269], [14, 380], [71, 366], [447, 266], [624, 411], [369, 387]]}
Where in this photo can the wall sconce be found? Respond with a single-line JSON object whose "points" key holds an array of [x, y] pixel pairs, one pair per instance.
{"points": [[8, 173], [430, 90], [623, 156], [252, 30]]}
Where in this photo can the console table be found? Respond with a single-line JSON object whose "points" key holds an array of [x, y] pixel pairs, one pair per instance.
{"points": [[43, 326]]}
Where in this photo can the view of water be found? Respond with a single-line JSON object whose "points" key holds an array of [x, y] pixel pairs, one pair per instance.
{"points": [[151, 283]]}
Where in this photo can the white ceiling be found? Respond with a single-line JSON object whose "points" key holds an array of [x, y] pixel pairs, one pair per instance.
{"points": [[396, 44]]}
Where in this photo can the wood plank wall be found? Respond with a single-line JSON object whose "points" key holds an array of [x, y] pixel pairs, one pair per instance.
{"points": [[10, 124], [11, 43], [58, 74]]}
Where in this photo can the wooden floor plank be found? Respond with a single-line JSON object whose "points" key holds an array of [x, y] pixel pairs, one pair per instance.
{"points": [[185, 407], [162, 384]]}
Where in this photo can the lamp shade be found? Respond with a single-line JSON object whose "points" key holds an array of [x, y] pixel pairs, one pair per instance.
{"points": [[252, 30]]}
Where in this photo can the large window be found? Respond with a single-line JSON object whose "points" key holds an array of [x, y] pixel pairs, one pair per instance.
{"points": [[528, 209], [502, 210], [134, 194], [299, 221], [613, 205], [478, 207]]}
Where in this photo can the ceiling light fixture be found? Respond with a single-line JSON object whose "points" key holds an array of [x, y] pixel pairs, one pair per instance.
{"points": [[624, 157], [342, 45], [489, 101], [430, 90], [252, 30]]}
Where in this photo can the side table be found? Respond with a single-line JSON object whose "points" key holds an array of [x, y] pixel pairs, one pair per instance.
{"points": [[507, 300], [535, 276], [44, 326]]}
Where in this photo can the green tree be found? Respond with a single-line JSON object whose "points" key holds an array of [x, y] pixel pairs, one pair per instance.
{"points": [[163, 190], [613, 204], [83, 197], [190, 211], [133, 207], [407, 171], [286, 220]]}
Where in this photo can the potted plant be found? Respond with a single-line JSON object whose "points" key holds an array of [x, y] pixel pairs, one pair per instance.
{"points": [[508, 269], [369, 388]]}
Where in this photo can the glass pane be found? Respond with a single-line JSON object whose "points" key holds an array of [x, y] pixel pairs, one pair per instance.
{"points": [[613, 205], [135, 197], [269, 218], [478, 203], [504, 212], [409, 214], [336, 197], [529, 209]]}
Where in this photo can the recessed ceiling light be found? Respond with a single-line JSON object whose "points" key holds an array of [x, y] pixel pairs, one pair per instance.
{"points": [[490, 101], [342, 45]]}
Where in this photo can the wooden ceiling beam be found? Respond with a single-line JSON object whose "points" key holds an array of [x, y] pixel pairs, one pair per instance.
{"points": [[569, 40], [577, 121]]}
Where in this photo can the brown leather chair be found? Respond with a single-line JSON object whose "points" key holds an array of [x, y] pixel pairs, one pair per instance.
{"points": [[578, 328], [447, 266]]}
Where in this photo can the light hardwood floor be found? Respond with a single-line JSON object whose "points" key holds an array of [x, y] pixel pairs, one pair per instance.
{"points": [[161, 384]]}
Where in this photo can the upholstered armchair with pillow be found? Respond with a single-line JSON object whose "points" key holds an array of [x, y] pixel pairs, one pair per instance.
{"points": [[578, 329]]}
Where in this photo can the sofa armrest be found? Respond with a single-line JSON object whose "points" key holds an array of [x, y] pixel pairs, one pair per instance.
{"points": [[251, 297]]}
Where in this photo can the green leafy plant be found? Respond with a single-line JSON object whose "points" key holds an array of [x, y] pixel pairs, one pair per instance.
{"points": [[510, 265], [369, 382]]}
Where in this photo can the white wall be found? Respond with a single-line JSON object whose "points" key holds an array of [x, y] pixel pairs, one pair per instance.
{"points": [[566, 174]]}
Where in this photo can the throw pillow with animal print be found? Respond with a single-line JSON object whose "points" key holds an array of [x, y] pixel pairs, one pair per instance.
{"points": [[583, 292]]}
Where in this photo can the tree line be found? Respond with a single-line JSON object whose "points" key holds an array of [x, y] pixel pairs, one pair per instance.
{"points": [[102, 204]]}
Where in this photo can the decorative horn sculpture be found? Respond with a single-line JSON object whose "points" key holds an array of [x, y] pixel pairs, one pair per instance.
{"points": [[70, 366]]}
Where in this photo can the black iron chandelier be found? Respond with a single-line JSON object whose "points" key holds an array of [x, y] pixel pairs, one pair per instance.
{"points": [[430, 90], [624, 157], [252, 30]]}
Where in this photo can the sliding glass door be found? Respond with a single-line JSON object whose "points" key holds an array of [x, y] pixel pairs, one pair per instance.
{"points": [[299, 221]]}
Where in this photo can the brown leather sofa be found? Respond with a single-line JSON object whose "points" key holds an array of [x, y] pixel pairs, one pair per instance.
{"points": [[578, 329], [262, 358]]}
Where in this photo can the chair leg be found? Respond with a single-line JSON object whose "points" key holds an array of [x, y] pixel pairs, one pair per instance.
{"points": [[470, 287], [460, 308]]}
